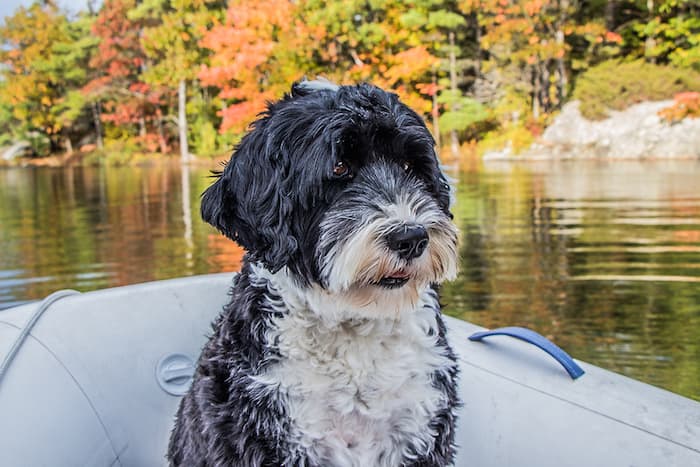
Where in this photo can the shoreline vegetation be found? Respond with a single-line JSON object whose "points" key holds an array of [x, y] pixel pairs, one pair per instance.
{"points": [[136, 82]]}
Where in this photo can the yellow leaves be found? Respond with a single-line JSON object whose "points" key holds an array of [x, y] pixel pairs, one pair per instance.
{"points": [[470, 5], [533, 8]]}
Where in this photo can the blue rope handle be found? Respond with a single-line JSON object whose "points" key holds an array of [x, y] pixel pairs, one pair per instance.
{"points": [[538, 340]]}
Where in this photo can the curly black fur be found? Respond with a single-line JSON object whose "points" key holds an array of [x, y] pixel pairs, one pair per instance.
{"points": [[271, 198]]}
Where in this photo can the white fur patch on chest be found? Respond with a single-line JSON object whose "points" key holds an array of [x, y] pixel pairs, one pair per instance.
{"points": [[359, 392]]}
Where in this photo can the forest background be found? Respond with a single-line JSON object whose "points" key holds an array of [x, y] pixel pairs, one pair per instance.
{"points": [[127, 78]]}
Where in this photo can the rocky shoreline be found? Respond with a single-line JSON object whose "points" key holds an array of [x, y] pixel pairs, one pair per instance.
{"points": [[634, 133]]}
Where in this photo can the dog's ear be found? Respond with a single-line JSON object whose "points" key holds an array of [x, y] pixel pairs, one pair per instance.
{"points": [[248, 204], [446, 195], [218, 206]]}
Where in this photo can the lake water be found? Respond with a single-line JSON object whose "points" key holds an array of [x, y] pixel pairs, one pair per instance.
{"points": [[603, 258]]}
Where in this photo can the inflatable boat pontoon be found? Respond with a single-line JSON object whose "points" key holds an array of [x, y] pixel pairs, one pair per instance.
{"points": [[94, 379]]}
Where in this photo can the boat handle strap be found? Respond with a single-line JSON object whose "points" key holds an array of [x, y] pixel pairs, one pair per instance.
{"points": [[537, 340]]}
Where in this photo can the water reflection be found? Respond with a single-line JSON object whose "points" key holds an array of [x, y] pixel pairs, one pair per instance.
{"points": [[603, 258], [89, 228]]}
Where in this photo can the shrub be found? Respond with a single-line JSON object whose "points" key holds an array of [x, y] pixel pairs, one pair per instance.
{"points": [[515, 137], [685, 105], [615, 85]]}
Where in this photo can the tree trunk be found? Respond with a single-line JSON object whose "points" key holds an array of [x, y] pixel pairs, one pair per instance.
{"points": [[477, 28], [182, 121], [436, 115], [610, 8], [454, 140], [562, 79], [478, 82], [98, 124], [650, 43], [187, 214], [142, 126], [536, 90], [544, 87], [69, 145], [162, 142]]}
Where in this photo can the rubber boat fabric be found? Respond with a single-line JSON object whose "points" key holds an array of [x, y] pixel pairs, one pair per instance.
{"points": [[94, 379]]}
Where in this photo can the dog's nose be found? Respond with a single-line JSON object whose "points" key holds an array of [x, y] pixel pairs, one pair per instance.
{"points": [[409, 242]]}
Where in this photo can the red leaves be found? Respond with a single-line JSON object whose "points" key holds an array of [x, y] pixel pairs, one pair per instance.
{"points": [[118, 65]]}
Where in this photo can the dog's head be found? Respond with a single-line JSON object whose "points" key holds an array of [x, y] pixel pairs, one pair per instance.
{"points": [[340, 185]]}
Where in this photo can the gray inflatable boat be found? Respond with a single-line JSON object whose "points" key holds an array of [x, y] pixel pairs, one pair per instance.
{"points": [[94, 380]]}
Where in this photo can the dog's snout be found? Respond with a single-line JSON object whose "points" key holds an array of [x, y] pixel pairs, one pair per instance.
{"points": [[409, 242]]}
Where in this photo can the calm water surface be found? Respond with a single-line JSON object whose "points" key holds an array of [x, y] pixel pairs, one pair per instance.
{"points": [[604, 258]]}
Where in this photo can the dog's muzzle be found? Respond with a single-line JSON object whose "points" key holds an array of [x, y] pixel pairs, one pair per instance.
{"points": [[408, 242]]}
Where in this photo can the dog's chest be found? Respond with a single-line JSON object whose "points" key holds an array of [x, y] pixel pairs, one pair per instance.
{"points": [[359, 394]]}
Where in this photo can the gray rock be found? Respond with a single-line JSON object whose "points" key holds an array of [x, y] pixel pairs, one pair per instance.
{"points": [[634, 133], [16, 150]]}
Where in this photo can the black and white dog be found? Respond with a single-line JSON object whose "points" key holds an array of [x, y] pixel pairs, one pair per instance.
{"points": [[332, 350]]}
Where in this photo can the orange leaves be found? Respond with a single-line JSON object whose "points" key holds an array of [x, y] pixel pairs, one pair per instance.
{"points": [[139, 88], [533, 8], [246, 53], [686, 104], [237, 117], [613, 37], [409, 65], [429, 89], [527, 31]]}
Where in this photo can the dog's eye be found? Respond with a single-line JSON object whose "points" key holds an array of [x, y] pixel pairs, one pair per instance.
{"points": [[406, 166], [341, 169]]}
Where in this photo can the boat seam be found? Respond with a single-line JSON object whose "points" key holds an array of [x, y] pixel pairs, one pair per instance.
{"points": [[12, 325], [25, 333], [87, 398]]}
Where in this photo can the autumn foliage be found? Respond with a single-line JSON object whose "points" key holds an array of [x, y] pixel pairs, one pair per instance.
{"points": [[247, 51], [686, 104], [142, 75]]}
